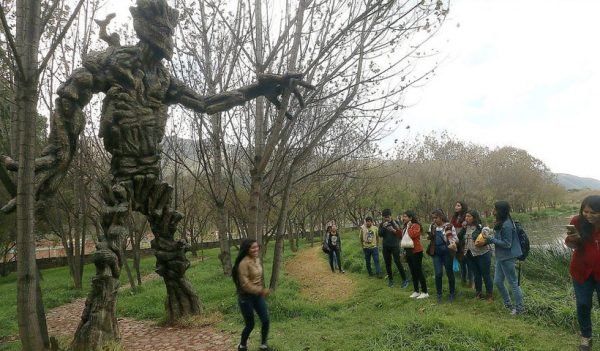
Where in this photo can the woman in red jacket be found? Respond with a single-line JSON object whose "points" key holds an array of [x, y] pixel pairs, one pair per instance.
{"points": [[414, 256], [585, 264]]}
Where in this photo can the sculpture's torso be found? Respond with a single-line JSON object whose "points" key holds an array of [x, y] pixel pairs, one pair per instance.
{"points": [[134, 111]]}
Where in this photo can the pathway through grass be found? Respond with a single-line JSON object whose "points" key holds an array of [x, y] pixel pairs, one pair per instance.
{"points": [[310, 271]]}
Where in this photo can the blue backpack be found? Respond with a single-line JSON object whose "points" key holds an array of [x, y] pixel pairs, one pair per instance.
{"points": [[523, 240]]}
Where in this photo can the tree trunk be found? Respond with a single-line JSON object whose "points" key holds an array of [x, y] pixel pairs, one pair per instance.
{"points": [[30, 310], [99, 322], [255, 220]]}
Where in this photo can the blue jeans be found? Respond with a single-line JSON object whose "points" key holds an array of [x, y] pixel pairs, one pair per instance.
{"points": [[583, 297], [480, 266], [248, 304], [335, 252], [506, 269], [466, 270], [441, 262], [374, 252]]}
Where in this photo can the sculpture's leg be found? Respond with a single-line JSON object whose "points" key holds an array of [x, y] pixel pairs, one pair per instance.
{"points": [[98, 323], [171, 262]]}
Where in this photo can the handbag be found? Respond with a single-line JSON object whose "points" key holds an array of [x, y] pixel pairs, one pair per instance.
{"points": [[325, 248], [431, 248], [452, 248], [406, 242]]}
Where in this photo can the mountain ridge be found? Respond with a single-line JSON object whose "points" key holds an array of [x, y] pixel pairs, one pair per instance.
{"points": [[573, 182]]}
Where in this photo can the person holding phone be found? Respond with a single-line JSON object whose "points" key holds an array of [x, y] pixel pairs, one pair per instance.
{"points": [[583, 236], [390, 232]]}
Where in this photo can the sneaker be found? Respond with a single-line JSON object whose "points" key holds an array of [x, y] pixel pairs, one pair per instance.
{"points": [[422, 296], [390, 283], [415, 294], [451, 298], [439, 299], [586, 344], [404, 283], [242, 348], [263, 347], [342, 271]]}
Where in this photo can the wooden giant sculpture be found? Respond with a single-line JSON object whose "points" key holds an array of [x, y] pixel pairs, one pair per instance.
{"points": [[138, 91]]}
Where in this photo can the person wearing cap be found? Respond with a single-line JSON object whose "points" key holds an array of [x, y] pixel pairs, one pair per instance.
{"points": [[390, 233]]}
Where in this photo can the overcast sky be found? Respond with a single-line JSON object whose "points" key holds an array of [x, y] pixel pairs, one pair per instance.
{"points": [[519, 72]]}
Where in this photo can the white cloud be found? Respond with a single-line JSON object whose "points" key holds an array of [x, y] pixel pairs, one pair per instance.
{"points": [[521, 73]]}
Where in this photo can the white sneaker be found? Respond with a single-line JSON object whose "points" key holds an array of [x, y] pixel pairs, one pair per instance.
{"points": [[423, 296], [415, 294]]}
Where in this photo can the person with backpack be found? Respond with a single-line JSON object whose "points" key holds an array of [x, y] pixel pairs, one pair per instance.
{"points": [[247, 274], [334, 243], [442, 248], [508, 249], [584, 239]]}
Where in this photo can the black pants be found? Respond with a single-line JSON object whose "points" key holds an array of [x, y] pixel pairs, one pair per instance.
{"points": [[388, 254], [415, 264], [338, 257]]}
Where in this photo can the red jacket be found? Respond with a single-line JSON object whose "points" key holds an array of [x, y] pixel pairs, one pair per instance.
{"points": [[414, 231], [586, 260]]}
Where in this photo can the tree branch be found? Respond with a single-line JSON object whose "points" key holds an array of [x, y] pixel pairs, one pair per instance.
{"points": [[60, 37], [11, 42]]}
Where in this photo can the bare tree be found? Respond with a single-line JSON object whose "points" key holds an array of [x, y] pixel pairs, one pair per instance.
{"points": [[24, 44]]}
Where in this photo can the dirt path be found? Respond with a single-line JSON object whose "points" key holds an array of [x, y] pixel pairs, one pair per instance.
{"points": [[309, 268], [143, 335], [317, 281], [139, 335]]}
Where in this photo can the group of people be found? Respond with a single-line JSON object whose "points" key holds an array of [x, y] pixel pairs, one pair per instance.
{"points": [[463, 237]]}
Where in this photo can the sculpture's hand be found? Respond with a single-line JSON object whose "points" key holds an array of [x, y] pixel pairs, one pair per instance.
{"points": [[274, 85]]}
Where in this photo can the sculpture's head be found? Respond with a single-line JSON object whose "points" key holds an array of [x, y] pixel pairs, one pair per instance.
{"points": [[154, 22]]}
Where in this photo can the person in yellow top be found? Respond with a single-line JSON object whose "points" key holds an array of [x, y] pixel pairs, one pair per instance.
{"points": [[247, 274], [369, 241]]}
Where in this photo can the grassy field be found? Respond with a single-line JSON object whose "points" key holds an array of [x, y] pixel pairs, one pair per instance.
{"points": [[57, 289], [373, 317]]}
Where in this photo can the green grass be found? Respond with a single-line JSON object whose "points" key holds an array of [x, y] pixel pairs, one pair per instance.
{"points": [[375, 318], [57, 289]]}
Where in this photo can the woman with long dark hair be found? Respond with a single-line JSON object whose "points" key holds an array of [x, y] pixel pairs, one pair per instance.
{"points": [[508, 248], [442, 237], [458, 221], [247, 275], [585, 264], [334, 243], [414, 255], [477, 256]]}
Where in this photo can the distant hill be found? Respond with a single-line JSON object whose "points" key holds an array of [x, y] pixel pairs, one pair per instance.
{"points": [[569, 181]]}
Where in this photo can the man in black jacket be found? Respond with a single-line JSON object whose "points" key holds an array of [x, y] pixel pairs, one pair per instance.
{"points": [[390, 232]]}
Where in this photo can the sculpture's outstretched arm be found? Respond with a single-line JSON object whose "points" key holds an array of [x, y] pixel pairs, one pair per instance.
{"points": [[270, 86], [66, 123]]}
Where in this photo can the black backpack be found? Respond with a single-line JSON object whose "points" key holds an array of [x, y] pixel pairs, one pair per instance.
{"points": [[523, 240]]}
